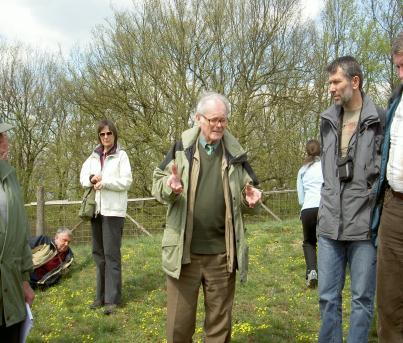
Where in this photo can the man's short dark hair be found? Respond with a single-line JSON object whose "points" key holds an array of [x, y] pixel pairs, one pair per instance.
{"points": [[397, 45], [349, 66]]}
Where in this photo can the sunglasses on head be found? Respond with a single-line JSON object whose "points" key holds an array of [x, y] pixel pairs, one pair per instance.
{"points": [[104, 134]]}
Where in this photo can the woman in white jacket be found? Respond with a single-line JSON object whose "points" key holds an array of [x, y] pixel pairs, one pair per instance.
{"points": [[108, 171], [309, 184]]}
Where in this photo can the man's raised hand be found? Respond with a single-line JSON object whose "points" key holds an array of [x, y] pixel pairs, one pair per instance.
{"points": [[174, 180], [252, 195]]}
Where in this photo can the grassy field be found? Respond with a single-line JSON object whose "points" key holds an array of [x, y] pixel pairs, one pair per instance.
{"points": [[273, 306]]}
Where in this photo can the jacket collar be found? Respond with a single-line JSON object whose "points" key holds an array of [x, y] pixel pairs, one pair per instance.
{"points": [[232, 147], [99, 150], [369, 112], [397, 94], [5, 170]]}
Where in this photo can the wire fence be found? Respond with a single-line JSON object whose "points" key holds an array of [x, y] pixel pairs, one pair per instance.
{"points": [[146, 215]]}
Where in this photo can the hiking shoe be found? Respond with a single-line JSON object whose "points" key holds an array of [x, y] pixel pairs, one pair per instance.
{"points": [[96, 304], [312, 279], [110, 308]]}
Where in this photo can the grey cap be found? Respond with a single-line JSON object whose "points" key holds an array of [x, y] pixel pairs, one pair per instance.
{"points": [[4, 126]]}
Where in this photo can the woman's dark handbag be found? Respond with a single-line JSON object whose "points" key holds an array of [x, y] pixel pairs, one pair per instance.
{"points": [[87, 208]]}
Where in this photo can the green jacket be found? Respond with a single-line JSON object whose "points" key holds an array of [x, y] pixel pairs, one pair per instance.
{"points": [[236, 173], [15, 253]]}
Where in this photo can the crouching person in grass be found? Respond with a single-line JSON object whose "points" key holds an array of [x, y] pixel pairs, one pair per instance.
{"points": [[206, 181], [51, 258]]}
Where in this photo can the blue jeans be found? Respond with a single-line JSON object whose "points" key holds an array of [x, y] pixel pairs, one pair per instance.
{"points": [[333, 257]]}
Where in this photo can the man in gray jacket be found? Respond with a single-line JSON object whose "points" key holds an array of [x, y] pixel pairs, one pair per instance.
{"points": [[351, 134]]}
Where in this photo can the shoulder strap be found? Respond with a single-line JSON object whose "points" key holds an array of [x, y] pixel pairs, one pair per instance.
{"points": [[88, 192], [177, 146]]}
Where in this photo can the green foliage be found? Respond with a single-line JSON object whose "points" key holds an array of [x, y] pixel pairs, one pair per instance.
{"points": [[273, 306], [146, 68]]}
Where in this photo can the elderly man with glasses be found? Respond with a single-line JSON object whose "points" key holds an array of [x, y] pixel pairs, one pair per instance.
{"points": [[206, 181]]}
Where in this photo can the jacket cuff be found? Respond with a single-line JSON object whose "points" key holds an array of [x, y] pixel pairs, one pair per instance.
{"points": [[25, 276], [170, 195]]}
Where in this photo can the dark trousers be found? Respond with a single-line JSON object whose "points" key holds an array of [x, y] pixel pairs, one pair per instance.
{"points": [[10, 334], [309, 219], [106, 243], [390, 271], [218, 284]]}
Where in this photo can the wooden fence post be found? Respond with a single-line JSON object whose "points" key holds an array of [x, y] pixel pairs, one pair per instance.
{"points": [[270, 212], [40, 210]]}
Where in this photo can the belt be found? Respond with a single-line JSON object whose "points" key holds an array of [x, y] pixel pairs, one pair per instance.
{"points": [[397, 194]]}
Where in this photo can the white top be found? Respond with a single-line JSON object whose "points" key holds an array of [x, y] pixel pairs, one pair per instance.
{"points": [[309, 184], [394, 171], [111, 199]]}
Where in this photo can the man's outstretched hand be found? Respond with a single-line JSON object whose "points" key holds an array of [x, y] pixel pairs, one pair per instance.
{"points": [[174, 180], [252, 195]]}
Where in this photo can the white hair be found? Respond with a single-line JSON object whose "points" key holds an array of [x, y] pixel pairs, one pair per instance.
{"points": [[64, 230], [212, 96]]}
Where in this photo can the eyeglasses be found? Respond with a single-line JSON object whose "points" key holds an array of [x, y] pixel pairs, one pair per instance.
{"points": [[104, 134], [215, 121]]}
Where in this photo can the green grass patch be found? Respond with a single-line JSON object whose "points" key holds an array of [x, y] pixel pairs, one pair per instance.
{"points": [[273, 306]]}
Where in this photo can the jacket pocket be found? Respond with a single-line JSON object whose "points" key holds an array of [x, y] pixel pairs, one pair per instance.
{"points": [[14, 302], [328, 213], [171, 259], [372, 165], [356, 209], [114, 200]]}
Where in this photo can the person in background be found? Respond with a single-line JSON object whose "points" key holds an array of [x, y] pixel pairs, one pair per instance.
{"points": [[15, 253], [207, 182], [351, 133], [51, 257], [108, 171], [309, 184], [390, 202]]}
